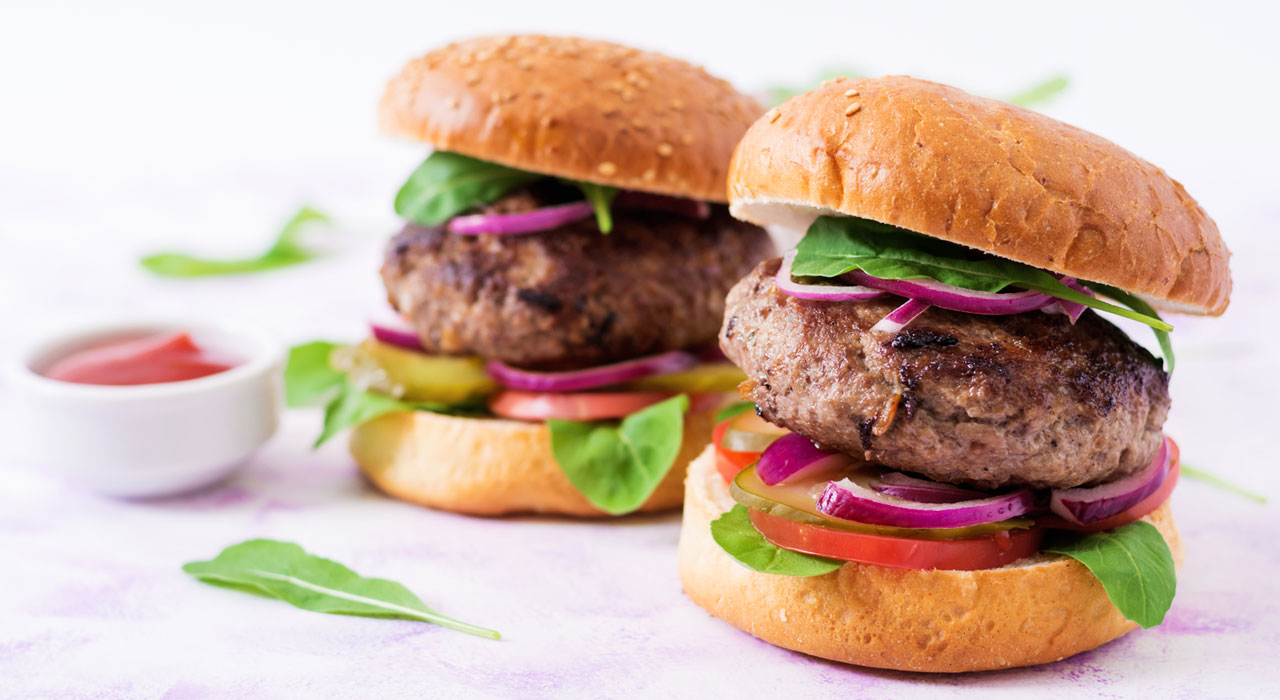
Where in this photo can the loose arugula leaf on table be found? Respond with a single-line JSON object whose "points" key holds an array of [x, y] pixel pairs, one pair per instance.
{"points": [[1042, 91], [834, 246], [1137, 304], [734, 410], [285, 571], [1134, 565], [736, 535], [1215, 480], [285, 251], [617, 466], [447, 184], [601, 198]]}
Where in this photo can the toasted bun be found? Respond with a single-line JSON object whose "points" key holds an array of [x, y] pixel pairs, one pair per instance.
{"points": [[986, 174], [487, 466], [574, 108], [1041, 609]]}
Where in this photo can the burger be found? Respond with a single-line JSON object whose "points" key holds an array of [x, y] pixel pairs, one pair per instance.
{"points": [[557, 289], [955, 461]]}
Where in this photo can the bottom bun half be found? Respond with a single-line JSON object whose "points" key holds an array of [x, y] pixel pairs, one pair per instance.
{"points": [[1040, 609], [492, 466]]}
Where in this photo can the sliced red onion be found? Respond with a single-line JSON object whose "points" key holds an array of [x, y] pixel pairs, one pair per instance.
{"points": [[946, 296], [591, 377], [396, 331], [900, 317], [1070, 309], [523, 222], [691, 208], [794, 454], [1089, 505], [818, 292], [910, 488], [848, 500]]}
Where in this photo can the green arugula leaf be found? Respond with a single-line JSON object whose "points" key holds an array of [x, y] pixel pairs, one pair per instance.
{"points": [[736, 535], [1215, 480], [285, 251], [1137, 304], [447, 184], [1042, 91], [834, 246], [283, 570], [734, 410], [308, 377], [601, 198], [1133, 563], [618, 466]]}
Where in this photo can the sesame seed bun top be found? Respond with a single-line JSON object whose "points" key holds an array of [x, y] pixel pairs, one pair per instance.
{"points": [[936, 160], [574, 108]]}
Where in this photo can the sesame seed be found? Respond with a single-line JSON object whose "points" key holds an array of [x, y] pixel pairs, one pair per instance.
{"points": [[665, 149], [773, 115], [607, 168], [850, 93], [852, 109], [677, 104], [473, 78], [454, 102], [649, 175], [686, 138]]}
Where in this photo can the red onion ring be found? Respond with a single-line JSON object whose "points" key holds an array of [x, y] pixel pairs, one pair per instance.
{"points": [[591, 377], [910, 488], [946, 296], [898, 319], [1070, 309], [691, 208], [848, 500], [817, 292], [1082, 505], [396, 332], [523, 222], [794, 454]]}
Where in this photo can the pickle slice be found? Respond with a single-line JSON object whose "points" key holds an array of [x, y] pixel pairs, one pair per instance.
{"points": [[798, 503], [414, 376], [716, 377]]}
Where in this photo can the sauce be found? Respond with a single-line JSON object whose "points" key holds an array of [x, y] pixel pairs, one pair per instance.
{"points": [[154, 359]]}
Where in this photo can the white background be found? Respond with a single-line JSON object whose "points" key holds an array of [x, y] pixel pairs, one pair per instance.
{"points": [[130, 127]]}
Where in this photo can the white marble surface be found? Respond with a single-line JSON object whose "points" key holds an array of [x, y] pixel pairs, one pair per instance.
{"points": [[128, 127]]}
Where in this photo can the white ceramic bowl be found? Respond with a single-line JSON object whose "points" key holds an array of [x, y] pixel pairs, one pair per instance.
{"points": [[153, 439]]}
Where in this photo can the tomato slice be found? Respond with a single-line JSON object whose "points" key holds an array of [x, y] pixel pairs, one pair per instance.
{"points": [[538, 406], [986, 552], [1143, 507], [730, 462]]}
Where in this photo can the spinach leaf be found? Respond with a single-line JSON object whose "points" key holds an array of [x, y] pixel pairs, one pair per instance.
{"points": [[736, 535], [1213, 479], [283, 570], [618, 466], [447, 184], [1133, 563], [308, 376], [734, 410], [601, 198], [285, 251], [1137, 304], [1043, 91], [834, 246], [310, 379]]}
